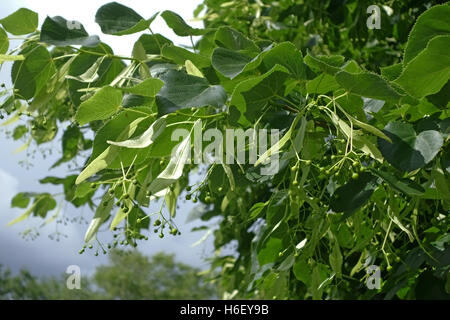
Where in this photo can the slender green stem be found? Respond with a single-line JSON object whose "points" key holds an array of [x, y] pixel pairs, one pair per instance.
{"points": [[112, 56]]}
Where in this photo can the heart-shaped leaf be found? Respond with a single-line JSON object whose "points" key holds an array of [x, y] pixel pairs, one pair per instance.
{"points": [[354, 194], [61, 32], [431, 23], [429, 71], [23, 21], [117, 19], [369, 85], [409, 150], [179, 26], [182, 90], [31, 74], [103, 104]]}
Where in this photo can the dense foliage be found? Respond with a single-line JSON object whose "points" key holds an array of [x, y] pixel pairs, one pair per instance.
{"points": [[364, 158], [129, 275]]}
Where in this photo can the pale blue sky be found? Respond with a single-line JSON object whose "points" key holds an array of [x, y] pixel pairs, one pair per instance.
{"points": [[45, 256]]}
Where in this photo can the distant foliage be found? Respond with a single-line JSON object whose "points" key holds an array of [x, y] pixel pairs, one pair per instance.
{"points": [[364, 154]]}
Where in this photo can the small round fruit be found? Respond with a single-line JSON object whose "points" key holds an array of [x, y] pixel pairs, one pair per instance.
{"points": [[355, 175]]}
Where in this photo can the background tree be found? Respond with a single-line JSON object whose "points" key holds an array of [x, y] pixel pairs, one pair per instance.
{"points": [[364, 115], [129, 276]]}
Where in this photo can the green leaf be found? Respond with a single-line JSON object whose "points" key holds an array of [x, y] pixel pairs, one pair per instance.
{"points": [[23, 21], [181, 90], [83, 189], [30, 75], [232, 39], [146, 138], [179, 26], [101, 215], [302, 271], [230, 63], [152, 44], [91, 74], [405, 185], [174, 169], [20, 200], [336, 259], [4, 42], [147, 88], [323, 83], [108, 156], [122, 127], [19, 132], [103, 104], [256, 209], [71, 142], [287, 55], [269, 252], [192, 70], [431, 23], [252, 95], [60, 32], [429, 71], [44, 204], [409, 150], [181, 55], [441, 182], [353, 194], [392, 72], [280, 143], [117, 19], [369, 85], [328, 64], [163, 146]]}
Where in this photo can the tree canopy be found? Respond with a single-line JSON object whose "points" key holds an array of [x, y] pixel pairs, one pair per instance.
{"points": [[363, 164], [128, 276]]}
